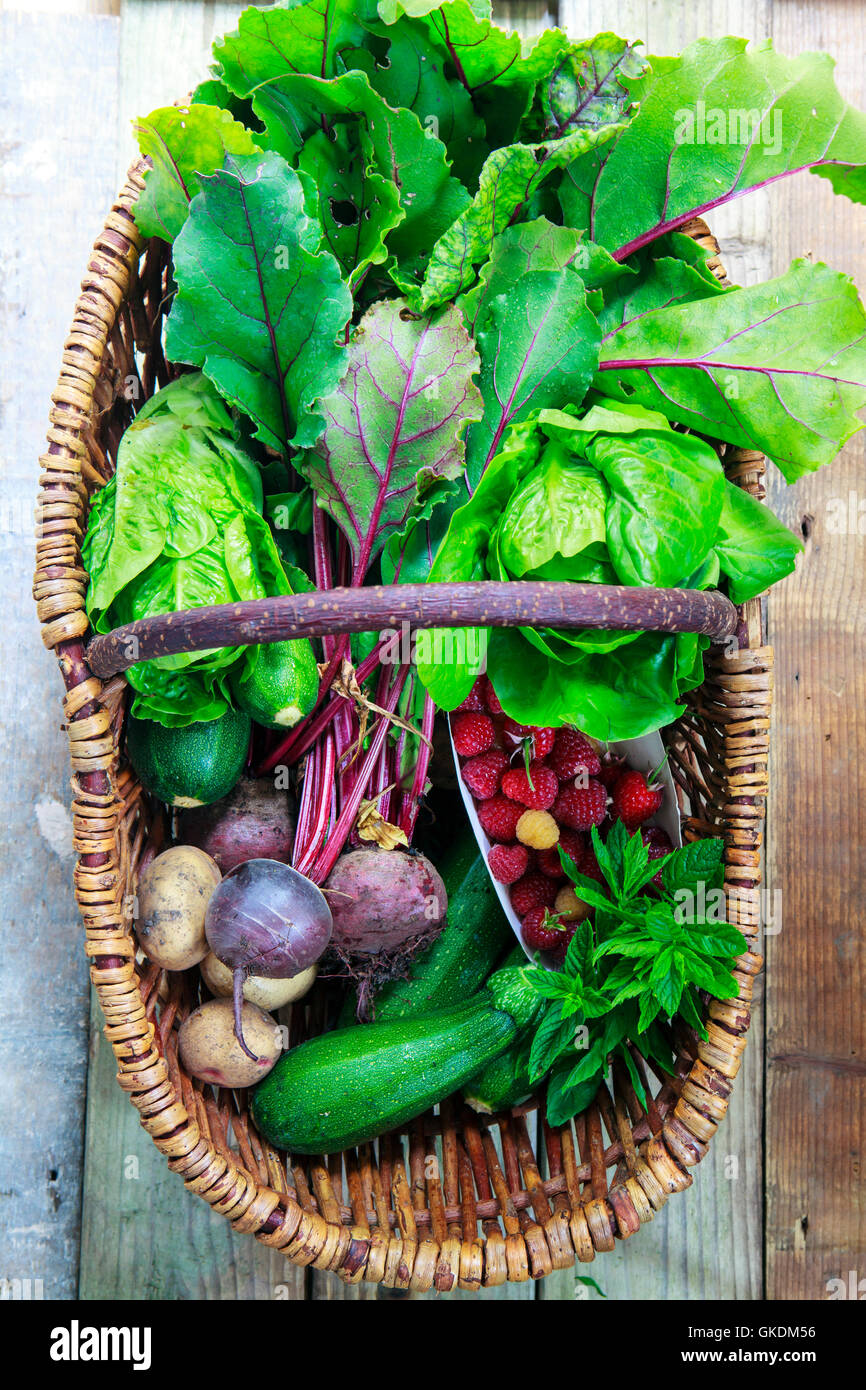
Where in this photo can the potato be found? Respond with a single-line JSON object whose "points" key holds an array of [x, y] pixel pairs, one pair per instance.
{"points": [[258, 989], [173, 894], [209, 1049]]}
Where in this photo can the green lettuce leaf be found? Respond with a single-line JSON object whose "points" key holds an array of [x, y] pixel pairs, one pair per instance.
{"points": [[258, 306], [753, 548]]}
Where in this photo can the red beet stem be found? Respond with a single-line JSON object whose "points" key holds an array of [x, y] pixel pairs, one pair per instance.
{"points": [[409, 808], [238, 977], [293, 747]]}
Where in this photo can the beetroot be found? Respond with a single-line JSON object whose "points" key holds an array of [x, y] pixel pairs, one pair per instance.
{"points": [[255, 821], [386, 906], [266, 919]]}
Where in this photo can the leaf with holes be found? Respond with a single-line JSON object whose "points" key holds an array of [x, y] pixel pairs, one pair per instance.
{"points": [[258, 306], [778, 367], [184, 143], [395, 423], [590, 85], [357, 207]]}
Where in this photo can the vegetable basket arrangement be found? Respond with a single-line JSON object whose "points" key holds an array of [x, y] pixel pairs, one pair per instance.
{"points": [[409, 442]]}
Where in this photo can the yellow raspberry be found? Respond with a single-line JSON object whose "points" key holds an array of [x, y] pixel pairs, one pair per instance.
{"points": [[569, 906], [538, 830]]}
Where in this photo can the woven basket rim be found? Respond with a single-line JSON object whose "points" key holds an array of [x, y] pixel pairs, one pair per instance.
{"points": [[102, 797]]}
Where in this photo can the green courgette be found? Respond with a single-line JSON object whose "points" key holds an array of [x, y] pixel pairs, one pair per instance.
{"points": [[190, 766], [278, 684], [473, 941], [350, 1085], [503, 1082]]}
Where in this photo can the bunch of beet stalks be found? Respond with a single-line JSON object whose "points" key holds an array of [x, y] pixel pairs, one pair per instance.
{"points": [[343, 764]]}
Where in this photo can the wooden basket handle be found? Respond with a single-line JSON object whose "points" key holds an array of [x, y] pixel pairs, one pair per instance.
{"points": [[488, 603]]}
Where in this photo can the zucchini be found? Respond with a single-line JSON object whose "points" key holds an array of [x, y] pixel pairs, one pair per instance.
{"points": [[193, 765], [350, 1085], [279, 683], [503, 1082], [473, 940]]}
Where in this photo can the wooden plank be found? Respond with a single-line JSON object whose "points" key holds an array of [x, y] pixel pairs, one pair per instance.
{"points": [[706, 1243], [816, 1029], [58, 92], [143, 1236]]}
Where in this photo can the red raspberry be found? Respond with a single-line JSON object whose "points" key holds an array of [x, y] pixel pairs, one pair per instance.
{"points": [[573, 753], [633, 801], [548, 859], [483, 774], [654, 835], [658, 845], [612, 768], [540, 741], [541, 931], [491, 699], [472, 733], [533, 890], [475, 699], [508, 863], [589, 867], [536, 787], [499, 817], [581, 807]]}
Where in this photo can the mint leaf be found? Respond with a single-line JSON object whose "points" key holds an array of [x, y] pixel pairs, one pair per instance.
{"points": [[258, 307], [394, 425], [552, 1036], [701, 862], [565, 1100], [778, 367]]}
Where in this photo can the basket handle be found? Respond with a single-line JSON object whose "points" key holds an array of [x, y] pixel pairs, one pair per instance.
{"points": [[483, 603]]}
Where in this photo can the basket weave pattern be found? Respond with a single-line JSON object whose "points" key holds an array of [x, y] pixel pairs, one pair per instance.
{"points": [[442, 1204]]}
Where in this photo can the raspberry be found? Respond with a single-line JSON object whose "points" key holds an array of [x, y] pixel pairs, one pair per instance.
{"points": [[573, 753], [472, 733], [482, 774], [537, 829], [569, 906], [540, 741], [533, 890], [589, 867], [658, 845], [612, 768], [548, 860], [475, 699], [581, 807], [536, 786], [499, 817], [491, 699], [508, 863], [541, 932], [633, 801]]}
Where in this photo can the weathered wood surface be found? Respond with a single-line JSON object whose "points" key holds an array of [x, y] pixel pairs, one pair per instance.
{"points": [[816, 1020], [144, 1236], [55, 184]]}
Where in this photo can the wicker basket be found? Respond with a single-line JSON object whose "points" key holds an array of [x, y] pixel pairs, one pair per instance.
{"points": [[483, 1212]]}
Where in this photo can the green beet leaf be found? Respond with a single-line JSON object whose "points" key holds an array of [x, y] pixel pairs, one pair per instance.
{"points": [[394, 426], [779, 367], [538, 344], [300, 38], [357, 207], [590, 85], [184, 143], [728, 118], [258, 306], [509, 179]]}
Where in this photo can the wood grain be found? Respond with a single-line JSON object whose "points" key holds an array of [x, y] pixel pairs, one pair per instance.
{"points": [[816, 1022], [55, 185]]}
